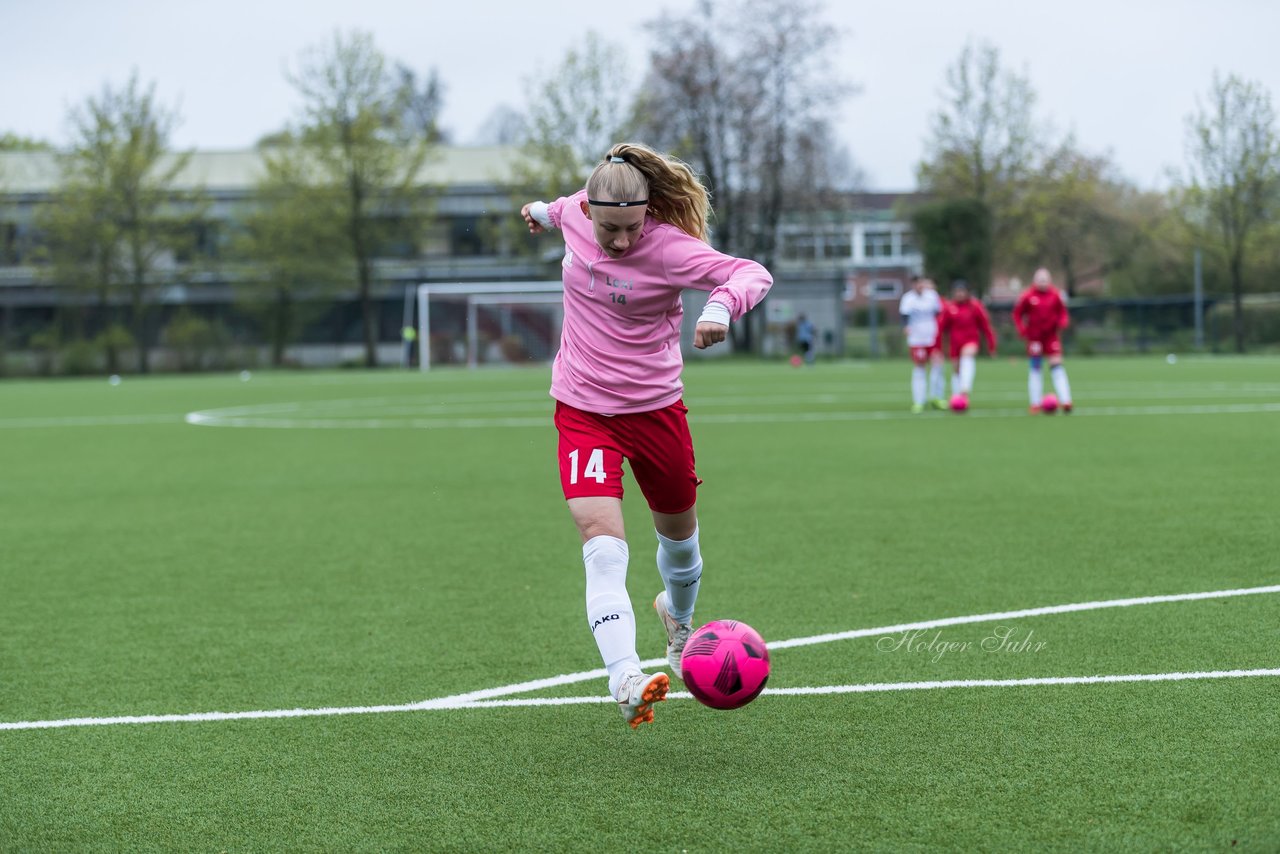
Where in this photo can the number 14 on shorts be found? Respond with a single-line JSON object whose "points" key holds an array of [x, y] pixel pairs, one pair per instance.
{"points": [[594, 469]]}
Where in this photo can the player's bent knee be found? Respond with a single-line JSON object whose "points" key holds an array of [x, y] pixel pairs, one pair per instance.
{"points": [[596, 517], [676, 526]]}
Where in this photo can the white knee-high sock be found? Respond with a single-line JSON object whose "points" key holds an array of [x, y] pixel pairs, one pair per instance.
{"points": [[1058, 373], [609, 614], [968, 368], [1035, 385], [918, 385], [955, 383], [937, 381], [680, 565]]}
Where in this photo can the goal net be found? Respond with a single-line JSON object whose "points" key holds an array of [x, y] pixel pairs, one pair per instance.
{"points": [[489, 323]]}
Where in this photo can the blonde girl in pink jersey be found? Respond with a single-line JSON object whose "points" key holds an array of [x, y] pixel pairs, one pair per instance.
{"points": [[635, 237]]}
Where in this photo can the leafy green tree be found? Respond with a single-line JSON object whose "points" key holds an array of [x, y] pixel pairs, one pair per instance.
{"points": [[1078, 216], [293, 240], [955, 237], [16, 142], [118, 218], [1231, 197], [352, 138], [985, 145], [1150, 254]]}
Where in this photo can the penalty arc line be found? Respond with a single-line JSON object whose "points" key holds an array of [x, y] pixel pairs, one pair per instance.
{"points": [[886, 687], [571, 678], [499, 697]]}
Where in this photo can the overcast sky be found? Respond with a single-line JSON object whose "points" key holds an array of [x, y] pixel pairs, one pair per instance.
{"points": [[1122, 74]]}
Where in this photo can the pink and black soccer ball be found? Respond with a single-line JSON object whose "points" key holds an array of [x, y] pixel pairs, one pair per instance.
{"points": [[725, 664], [959, 403], [1049, 404]]}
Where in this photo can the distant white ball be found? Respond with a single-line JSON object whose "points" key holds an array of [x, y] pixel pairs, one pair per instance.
{"points": [[1171, 359], [245, 376], [114, 379]]}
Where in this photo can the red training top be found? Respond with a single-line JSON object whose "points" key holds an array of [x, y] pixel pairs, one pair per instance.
{"points": [[965, 321], [1039, 314]]}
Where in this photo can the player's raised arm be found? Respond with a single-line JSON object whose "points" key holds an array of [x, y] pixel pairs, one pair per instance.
{"points": [[537, 217], [736, 284]]}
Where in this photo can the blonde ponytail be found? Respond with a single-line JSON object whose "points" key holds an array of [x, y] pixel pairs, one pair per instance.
{"points": [[675, 194]]}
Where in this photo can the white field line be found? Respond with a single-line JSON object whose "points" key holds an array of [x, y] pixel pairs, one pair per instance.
{"points": [[87, 421], [223, 418], [500, 696], [505, 409], [883, 687]]}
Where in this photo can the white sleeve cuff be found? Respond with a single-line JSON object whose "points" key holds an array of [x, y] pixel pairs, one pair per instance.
{"points": [[538, 210], [715, 312]]}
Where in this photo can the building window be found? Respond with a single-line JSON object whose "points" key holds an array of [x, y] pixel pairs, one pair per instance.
{"points": [[839, 245], [468, 237], [877, 244], [885, 288], [800, 247], [8, 243], [908, 243]]}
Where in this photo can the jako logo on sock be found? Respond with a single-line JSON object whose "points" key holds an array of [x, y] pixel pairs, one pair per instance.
{"points": [[603, 620], [691, 583]]}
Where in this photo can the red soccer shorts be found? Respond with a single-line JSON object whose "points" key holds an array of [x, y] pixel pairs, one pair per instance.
{"points": [[958, 344], [657, 445], [1049, 346]]}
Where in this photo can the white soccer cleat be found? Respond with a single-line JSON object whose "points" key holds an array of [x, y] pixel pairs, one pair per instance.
{"points": [[677, 633], [637, 694]]}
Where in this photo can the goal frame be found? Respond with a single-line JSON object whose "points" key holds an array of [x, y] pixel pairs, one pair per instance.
{"points": [[476, 294]]}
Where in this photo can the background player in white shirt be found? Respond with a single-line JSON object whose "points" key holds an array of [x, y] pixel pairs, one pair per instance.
{"points": [[920, 308]]}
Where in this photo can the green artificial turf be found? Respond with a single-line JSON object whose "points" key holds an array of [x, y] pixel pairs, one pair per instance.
{"points": [[345, 540]]}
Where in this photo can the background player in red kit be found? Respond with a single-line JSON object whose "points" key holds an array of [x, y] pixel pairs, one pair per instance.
{"points": [[964, 321], [1039, 314]]}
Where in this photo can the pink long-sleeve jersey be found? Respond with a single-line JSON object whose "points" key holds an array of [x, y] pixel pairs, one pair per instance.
{"points": [[620, 342]]}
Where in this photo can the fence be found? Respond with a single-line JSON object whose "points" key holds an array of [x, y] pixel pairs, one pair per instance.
{"points": [[1165, 324]]}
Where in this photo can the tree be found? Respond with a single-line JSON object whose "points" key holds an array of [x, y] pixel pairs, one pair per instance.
{"points": [[17, 142], [1077, 215], [1156, 257], [744, 91], [576, 111], [786, 56], [955, 237], [118, 217], [293, 240], [985, 145], [353, 137], [505, 125], [419, 105], [1233, 188]]}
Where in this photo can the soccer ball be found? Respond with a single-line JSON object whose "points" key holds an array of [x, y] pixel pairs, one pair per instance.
{"points": [[1049, 404], [725, 664], [959, 403]]}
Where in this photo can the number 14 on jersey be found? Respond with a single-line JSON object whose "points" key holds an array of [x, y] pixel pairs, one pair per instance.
{"points": [[594, 469]]}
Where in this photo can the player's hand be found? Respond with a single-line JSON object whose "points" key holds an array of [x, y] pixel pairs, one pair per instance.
{"points": [[707, 334], [535, 227]]}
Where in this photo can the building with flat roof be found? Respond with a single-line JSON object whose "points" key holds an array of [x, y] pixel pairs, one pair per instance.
{"points": [[826, 263]]}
